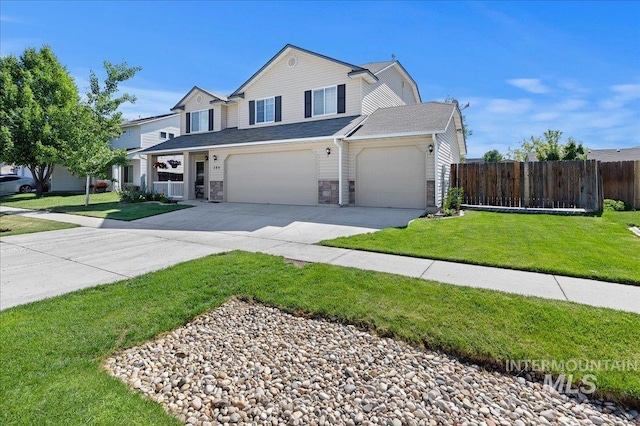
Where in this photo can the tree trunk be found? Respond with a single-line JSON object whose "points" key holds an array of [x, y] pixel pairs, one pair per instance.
{"points": [[86, 191]]}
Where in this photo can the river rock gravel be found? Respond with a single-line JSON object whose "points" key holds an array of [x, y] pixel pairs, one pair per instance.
{"points": [[245, 363]]}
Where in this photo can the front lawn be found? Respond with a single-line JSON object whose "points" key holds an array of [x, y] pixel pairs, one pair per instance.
{"points": [[601, 248], [13, 224], [53, 350], [103, 205]]}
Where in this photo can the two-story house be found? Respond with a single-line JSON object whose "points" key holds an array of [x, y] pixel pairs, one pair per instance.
{"points": [[307, 129], [136, 136]]}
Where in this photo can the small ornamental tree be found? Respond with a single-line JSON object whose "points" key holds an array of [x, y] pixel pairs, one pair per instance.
{"points": [[97, 122]]}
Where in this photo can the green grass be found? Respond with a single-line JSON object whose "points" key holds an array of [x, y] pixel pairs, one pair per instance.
{"points": [[12, 224], [103, 205], [600, 248], [52, 350]]}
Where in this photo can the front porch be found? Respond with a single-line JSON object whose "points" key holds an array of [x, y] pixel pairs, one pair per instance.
{"points": [[179, 176]]}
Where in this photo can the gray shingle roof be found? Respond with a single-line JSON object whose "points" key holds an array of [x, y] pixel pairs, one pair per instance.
{"points": [[622, 154], [307, 129], [145, 119], [374, 67], [429, 117]]}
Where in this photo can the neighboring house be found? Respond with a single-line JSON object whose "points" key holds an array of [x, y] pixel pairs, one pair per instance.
{"points": [[61, 178], [136, 136], [611, 155], [307, 129]]}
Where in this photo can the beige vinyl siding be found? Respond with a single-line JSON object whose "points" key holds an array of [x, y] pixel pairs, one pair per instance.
{"points": [[63, 180], [191, 105], [391, 89], [222, 123], [150, 132], [127, 142], [327, 164], [345, 174], [232, 115], [310, 72], [448, 153]]}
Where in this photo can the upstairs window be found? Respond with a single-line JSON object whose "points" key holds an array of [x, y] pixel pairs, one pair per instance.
{"points": [[163, 135], [325, 101], [198, 121], [171, 135], [265, 110]]}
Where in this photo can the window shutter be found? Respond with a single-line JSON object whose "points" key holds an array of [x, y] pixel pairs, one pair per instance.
{"points": [[188, 124], [252, 112], [307, 104], [278, 108], [211, 119], [342, 102]]}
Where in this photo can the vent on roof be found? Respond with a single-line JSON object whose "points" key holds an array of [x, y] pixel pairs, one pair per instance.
{"points": [[292, 62]]}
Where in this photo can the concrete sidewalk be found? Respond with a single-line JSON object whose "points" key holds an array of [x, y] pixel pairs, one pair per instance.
{"points": [[104, 251]]}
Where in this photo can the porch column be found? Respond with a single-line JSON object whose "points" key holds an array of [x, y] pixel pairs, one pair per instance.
{"points": [[151, 171], [187, 179]]}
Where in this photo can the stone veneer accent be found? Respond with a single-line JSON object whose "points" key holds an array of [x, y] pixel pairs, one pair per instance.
{"points": [[352, 192], [216, 192], [328, 192], [431, 193]]}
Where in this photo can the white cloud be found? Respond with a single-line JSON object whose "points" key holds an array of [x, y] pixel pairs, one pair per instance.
{"points": [[605, 117], [508, 106], [572, 104], [531, 85]]}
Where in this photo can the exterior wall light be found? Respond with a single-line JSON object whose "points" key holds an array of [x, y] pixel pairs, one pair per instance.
{"points": [[430, 148], [215, 158], [328, 151]]}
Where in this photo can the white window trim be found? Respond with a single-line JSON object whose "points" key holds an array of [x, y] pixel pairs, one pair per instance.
{"points": [[206, 111], [313, 98], [265, 110]]}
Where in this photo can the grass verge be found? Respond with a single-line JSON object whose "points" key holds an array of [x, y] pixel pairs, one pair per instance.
{"points": [[52, 350], [105, 206], [600, 248], [12, 224]]}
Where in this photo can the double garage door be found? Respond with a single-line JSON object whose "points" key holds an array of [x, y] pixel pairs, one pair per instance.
{"points": [[273, 177], [386, 177]]}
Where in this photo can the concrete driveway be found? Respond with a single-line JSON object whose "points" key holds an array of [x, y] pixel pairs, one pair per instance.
{"points": [[37, 266]]}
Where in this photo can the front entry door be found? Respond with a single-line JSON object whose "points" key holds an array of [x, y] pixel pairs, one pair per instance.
{"points": [[199, 179]]}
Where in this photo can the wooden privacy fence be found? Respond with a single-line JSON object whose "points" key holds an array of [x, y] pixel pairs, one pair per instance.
{"points": [[544, 184], [621, 181]]}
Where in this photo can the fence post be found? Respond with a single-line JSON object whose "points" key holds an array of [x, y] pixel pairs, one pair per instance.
{"points": [[169, 189]]}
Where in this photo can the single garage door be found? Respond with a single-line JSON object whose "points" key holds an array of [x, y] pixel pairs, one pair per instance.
{"points": [[274, 177], [391, 177]]}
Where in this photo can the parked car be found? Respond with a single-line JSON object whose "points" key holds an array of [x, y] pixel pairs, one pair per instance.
{"points": [[12, 184]]}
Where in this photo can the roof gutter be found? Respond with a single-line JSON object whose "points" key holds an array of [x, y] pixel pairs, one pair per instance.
{"points": [[396, 135], [234, 145]]}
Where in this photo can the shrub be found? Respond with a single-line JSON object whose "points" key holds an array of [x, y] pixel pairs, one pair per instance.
{"points": [[452, 201], [614, 205]]}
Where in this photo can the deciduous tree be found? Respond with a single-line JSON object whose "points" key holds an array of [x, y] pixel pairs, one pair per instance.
{"points": [[493, 156], [37, 101], [97, 122]]}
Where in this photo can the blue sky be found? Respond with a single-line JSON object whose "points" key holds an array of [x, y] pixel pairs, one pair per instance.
{"points": [[524, 67]]}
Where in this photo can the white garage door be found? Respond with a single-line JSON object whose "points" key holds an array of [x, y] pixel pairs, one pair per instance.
{"points": [[391, 177], [274, 177]]}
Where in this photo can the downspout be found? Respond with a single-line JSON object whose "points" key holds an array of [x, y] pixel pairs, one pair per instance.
{"points": [[339, 144]]}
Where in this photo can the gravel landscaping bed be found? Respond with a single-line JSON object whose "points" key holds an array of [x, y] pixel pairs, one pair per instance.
{"points": [[250, 364]]}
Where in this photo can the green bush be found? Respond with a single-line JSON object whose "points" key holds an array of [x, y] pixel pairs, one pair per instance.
{"points": [[614, 205], [135, 196], [452, 201]]}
